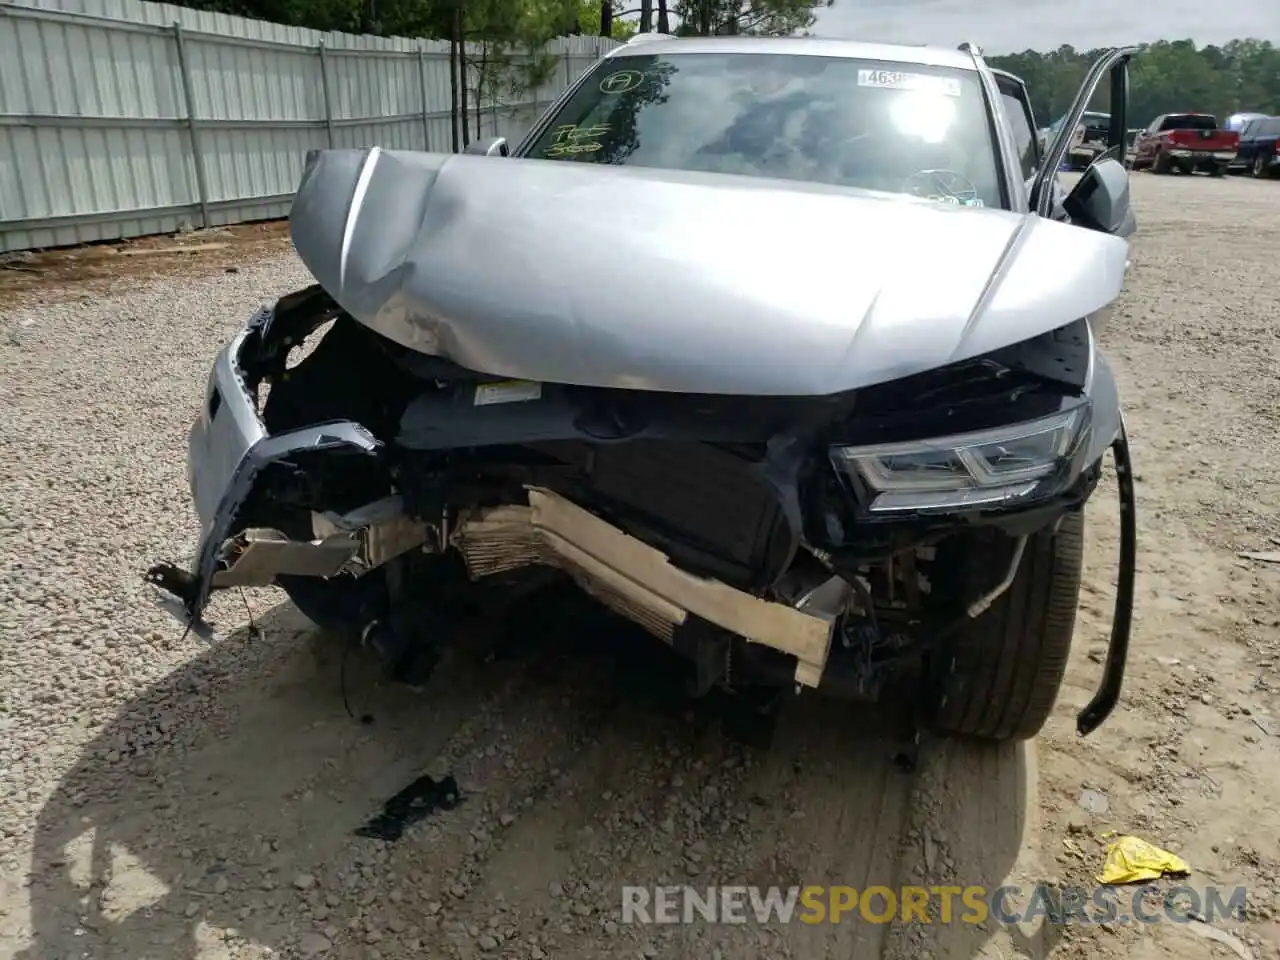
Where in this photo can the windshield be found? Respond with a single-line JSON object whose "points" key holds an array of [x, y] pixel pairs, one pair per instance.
{"points": [[898, 128]]}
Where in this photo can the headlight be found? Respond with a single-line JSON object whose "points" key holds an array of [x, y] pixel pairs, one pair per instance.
{"points": [[966, 470]]}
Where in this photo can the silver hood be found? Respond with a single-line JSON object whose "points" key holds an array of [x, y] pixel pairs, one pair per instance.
{"points": [[688, 282]]}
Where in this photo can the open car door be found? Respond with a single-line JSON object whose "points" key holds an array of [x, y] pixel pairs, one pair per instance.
{"points": [[1116, 64]]}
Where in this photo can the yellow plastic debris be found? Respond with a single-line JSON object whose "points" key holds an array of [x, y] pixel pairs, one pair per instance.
{"points": [[1132, 860]]}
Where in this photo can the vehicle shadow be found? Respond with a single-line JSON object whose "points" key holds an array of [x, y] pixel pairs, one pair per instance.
{"points": [[184, 840]]}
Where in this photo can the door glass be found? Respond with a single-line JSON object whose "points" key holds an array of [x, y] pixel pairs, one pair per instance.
{"points": [[1023, 135]]}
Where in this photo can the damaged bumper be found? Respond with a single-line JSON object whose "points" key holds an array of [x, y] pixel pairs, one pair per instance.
{"points": [[633, 578], [229, 447]]}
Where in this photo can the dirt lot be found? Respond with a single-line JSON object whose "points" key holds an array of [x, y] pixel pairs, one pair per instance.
{"points": [[164, 797]]}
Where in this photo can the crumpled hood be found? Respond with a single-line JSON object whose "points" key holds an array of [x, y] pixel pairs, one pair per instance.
{"points": [[687, 282]]}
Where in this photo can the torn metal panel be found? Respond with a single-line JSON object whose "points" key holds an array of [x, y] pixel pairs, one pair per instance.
{"points": [[255, 557], [382, 530], [354, 544], [341, 435]]}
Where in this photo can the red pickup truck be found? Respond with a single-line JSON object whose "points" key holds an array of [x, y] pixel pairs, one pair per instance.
{"points": [[1186, 142]]}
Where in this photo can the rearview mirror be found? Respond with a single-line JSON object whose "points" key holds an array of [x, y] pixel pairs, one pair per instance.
{"points": [[492, 147], [1100, 200]]}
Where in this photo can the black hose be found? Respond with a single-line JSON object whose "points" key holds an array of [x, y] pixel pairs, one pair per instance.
{"points": [[1108, 693]]}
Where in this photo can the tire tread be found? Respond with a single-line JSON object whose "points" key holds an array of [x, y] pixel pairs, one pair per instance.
{"points": [[1011, 660]]}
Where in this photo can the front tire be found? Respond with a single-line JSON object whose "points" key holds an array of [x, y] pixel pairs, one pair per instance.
{"points": [[1162, 163], [1006, 666]]}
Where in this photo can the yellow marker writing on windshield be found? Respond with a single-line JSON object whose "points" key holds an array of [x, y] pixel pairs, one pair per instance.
{"points": [[570, 139]]}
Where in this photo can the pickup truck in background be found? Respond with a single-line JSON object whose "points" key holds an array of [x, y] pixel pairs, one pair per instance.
{"points": [[1088, 142], [1186, 142]]}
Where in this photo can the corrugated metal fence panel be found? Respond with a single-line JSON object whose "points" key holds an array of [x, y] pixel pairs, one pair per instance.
{"points": [[95, 142], [89, 125]]}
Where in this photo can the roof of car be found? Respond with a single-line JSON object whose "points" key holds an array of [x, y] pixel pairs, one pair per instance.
{"points": [[922, 55]]}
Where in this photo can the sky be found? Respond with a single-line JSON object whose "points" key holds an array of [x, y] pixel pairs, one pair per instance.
{"points": [[1009, 26]]}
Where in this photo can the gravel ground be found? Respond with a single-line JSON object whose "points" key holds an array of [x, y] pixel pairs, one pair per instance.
{"points": [[168, 797]]}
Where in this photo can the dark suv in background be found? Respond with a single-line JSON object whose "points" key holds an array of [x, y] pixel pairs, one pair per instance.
{"points": [[1259, 150]]}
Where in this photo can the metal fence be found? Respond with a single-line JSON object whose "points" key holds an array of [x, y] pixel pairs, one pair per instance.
{"points": [[122, 118]]}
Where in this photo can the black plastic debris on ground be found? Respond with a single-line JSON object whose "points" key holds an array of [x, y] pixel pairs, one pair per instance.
{"points": [[415, 802]]}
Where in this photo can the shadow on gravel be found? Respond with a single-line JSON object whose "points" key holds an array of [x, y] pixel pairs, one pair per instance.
{"points": [[196, 823]]}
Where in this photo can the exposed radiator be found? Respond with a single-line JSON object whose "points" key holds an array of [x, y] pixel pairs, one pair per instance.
{"points": [[707, 496]]}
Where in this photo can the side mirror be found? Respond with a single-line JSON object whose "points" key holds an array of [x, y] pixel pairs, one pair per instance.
{"points": [[1100, 199], [492, 147]]}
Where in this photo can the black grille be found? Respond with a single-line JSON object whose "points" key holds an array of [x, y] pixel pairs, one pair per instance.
{"points": [[701, 504]]}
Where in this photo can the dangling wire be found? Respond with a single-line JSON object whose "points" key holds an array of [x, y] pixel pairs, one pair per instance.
{"points": [[253, 626]]}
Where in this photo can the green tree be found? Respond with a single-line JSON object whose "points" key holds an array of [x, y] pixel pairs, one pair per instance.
{"points": [[504, 50], [1168, 76], [773, 18], [590, 20]]}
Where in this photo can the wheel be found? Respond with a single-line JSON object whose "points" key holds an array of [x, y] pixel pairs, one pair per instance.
{"points": [[1162, 163], [1260, 167], [1218, 170], [1005, 667]]}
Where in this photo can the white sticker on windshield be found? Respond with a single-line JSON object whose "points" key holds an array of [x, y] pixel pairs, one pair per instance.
{"points": [[898, 80], [956, 201]]}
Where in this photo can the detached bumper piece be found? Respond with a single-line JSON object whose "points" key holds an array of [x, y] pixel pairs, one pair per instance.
{"points": [[1107, 696]]}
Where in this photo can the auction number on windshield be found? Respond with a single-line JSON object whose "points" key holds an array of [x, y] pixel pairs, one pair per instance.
{"points": [[570, 139], [901, 80]]}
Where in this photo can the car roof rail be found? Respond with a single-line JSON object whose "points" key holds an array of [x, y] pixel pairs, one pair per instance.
{"points": [[646, 37], [971, 48]]}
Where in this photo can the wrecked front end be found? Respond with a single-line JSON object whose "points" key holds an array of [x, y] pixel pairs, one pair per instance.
{"points": [[775, 542]]}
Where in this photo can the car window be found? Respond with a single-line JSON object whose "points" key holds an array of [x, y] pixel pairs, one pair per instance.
{"points": [[1249, 128], [1183, 121], [1023, 135], [892, 127], [1268, 128]]}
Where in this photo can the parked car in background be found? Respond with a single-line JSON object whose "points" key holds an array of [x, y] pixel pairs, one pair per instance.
{"points": [[1237, 121], [1186, 142], [1087, 143], [1258, 151]]}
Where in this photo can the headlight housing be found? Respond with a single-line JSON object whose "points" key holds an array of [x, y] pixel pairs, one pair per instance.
{"points": [[979, 469]]}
